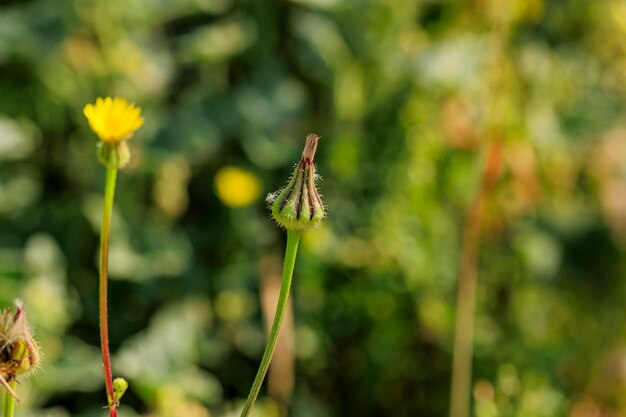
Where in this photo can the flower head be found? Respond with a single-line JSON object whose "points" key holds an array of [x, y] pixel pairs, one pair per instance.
{"points": [[299, 206], [19, 353], [113, 119]]}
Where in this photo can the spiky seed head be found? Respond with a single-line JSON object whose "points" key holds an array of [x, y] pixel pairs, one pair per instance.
{"points": [[19, 353]]}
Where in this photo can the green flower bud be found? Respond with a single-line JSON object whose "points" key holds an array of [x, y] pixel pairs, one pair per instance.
{"points": [[299, 206], [120, 385], [113, 154]]}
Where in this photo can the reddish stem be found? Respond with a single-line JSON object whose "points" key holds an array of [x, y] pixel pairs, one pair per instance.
{"points": [[109, 192]]}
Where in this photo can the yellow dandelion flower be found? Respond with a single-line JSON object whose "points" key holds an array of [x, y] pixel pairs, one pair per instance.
{"points": [[113, 119], [236, 187]]}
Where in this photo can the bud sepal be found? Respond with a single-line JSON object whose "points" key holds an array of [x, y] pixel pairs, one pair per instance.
{"points": [[114, 155]]}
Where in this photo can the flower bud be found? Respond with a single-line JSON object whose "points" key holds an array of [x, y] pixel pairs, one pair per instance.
{"points": [[299, 206], [120, 385]]}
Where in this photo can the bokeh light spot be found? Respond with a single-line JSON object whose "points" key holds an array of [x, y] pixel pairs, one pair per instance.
{"points": [[236, 187]]}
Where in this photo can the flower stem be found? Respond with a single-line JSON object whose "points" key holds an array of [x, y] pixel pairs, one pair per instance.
{"points": [[293, 238], [107, 209], [9, 401]]}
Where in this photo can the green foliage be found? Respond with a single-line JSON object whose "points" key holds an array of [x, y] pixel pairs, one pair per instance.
{"points": [[399, 93]]}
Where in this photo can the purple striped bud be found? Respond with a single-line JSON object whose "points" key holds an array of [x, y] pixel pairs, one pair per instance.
{"points": [[299, 206]]}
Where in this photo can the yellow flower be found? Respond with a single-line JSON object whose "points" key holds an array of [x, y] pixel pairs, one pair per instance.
{"points": [[236, 187], [113, 119]]}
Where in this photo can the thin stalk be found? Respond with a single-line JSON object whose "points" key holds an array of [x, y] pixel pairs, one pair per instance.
{"points": [[460, 395], [9, 401], [293, 239], [468, 276], [107, 210]]}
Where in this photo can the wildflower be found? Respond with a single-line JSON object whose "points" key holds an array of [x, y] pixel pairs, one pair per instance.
{"points": [[19, 354], [299, 206], [236, 187], [114, 120]]}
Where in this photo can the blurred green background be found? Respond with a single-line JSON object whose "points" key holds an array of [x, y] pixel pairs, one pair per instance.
{"points": [[400, 93]]}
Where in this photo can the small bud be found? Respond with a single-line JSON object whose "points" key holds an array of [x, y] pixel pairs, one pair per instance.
{"points": [[113, 154], [120, 385], [299, 206]]}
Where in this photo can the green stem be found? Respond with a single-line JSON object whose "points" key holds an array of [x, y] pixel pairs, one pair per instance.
{"points": [[107, 211], [9, 401], [461, 387], [293, 238], [460, 394], [460, 399]]}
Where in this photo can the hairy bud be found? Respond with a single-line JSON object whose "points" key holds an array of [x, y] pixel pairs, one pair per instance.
{"points": [[299, 206], [19, 353]]}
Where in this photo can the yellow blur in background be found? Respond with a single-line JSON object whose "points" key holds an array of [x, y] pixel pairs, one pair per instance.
{"points": [[236, 187]]}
